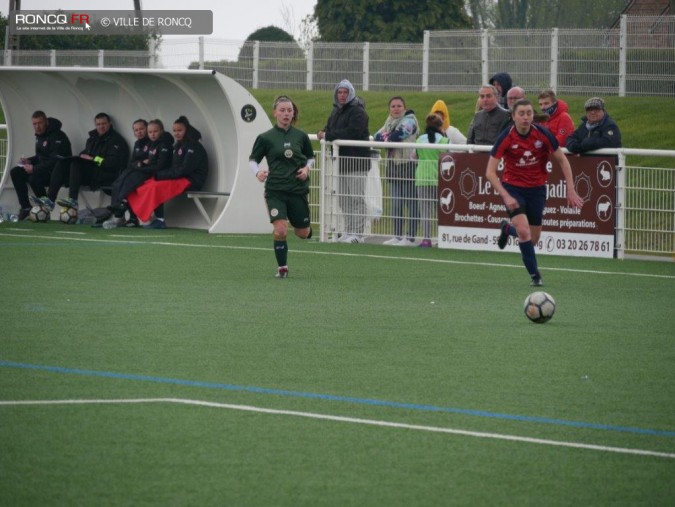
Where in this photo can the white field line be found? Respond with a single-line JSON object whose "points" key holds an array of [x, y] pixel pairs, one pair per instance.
{"points": [[353, 420], [135, 236], [346, 254]]}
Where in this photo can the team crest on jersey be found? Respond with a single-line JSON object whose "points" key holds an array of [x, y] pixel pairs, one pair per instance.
{"points": [[180, 151], [44, 143], [274, 212], [538, 144], [514, 147], [288, 153]]}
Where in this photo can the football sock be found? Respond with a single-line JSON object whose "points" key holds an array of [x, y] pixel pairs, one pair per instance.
{"points": [[529, 258], [281, 252]]}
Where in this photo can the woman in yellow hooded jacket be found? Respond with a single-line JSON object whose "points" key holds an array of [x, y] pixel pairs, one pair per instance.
{"points": [[452, 133]]}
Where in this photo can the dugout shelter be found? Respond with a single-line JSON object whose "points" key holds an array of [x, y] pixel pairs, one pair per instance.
{"points": [[226, 114]]}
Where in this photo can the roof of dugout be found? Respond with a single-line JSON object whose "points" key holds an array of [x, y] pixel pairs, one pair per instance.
{"points": [[226, 114]]}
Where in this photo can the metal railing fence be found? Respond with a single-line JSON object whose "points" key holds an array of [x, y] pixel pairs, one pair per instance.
{"points": [[645, 203], [635, 59]]}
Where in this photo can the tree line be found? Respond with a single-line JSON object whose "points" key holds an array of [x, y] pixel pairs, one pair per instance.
{"points": [[399, 21]]}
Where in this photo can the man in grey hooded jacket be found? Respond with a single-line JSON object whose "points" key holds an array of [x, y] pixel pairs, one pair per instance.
{"points": [[349, 120]]}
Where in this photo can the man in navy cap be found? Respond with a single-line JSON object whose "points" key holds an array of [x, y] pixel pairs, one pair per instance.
{"points": [[597, 129]]}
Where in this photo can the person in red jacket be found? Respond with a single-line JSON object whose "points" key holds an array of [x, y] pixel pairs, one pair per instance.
{"points": [[559, 121]]}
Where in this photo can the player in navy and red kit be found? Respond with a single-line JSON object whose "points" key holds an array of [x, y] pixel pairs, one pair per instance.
{"points": [[525, 148]]}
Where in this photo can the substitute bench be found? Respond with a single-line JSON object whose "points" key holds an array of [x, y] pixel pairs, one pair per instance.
{"points": [[197, 196]]}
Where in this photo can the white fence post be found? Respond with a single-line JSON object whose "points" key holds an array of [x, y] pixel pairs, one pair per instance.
{"points": [[200, 43], [101, 58], [425, 62], [8, 57], [323, 209], [310, 66], [484, 46], [620, 240], [52, 58], [152, 50], [366, 66], [256, 58], [554, 59], [623, 42]]}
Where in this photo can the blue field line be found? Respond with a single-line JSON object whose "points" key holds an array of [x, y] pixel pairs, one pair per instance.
{"points": [[344, 399]]}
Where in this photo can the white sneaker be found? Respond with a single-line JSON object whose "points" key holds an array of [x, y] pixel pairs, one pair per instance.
{"points": [[351, 238], [406, 242], [393, 241]]}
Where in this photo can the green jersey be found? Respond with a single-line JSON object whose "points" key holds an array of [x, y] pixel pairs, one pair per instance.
{"points": [[286, 151]]}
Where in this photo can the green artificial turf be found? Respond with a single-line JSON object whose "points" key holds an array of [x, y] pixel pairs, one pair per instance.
{"points": [[426, 337]]}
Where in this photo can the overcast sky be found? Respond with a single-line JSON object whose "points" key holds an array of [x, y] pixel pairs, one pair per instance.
{"points": [[232, 20]]}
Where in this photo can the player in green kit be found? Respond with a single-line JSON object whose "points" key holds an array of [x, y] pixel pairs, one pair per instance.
{"points": [[290, 157]]}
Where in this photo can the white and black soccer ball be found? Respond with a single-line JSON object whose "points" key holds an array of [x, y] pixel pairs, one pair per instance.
{"points": [[68, 215], [539, 307], [39, 214]]}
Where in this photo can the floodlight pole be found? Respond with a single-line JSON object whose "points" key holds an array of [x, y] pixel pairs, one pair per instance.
{"points": [[12, 41]]}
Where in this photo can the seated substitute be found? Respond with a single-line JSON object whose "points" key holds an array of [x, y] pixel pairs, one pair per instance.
{"points": [[51, 144], [157, 157], [105, 155], [188, 171]]}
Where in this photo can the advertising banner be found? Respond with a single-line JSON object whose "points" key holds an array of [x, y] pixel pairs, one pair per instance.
{"points": [[470, 210]]}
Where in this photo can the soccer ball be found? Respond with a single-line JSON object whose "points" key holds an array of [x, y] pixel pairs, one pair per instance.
{"points": [[39, 214], [68, 215], [539, 307]]}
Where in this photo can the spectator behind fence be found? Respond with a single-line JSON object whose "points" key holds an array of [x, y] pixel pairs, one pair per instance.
{"points": [[349, 120], [188, 171], [453, 134], [489, 122], [105, 155], [558, 121], [597, 129], [502, 82], [401, 126], [157, 157], [514, 95], [524, 150], [290, 158], [426, 175], [51, 143]]}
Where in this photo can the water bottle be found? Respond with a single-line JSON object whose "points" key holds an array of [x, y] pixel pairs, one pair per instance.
{"points": [[14, 218]]}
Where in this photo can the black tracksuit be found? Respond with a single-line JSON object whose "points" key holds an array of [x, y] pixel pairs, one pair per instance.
{"points": [[189, 161], [112, 151], [50, 146], [158, 155]]}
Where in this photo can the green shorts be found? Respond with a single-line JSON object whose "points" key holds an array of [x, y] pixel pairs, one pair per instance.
{"points": [[288, 206]]}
